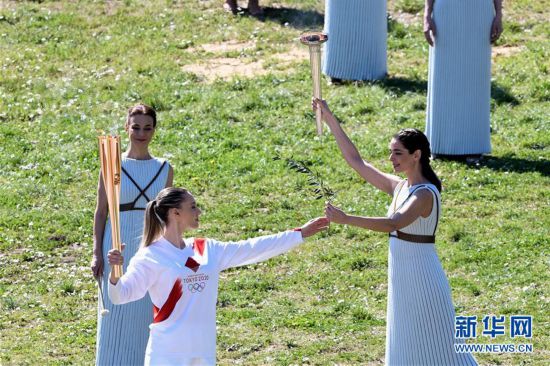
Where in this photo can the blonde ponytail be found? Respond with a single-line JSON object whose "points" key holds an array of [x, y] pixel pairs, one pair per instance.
{"points": [[156, 213]]}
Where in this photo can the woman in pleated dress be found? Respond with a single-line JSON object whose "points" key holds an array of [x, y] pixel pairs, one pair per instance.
{"points": [[460, 34], [420, 319], [357, 34], [122, 334]]}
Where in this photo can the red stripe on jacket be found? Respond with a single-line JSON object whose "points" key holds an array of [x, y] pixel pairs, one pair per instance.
{"points": [[163, 313], [198, 245]]}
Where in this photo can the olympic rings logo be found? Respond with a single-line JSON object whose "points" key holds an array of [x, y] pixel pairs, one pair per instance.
{"points": [[196, 287]]}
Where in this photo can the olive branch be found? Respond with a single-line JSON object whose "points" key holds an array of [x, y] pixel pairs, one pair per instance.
{"points": [[318, 187]]}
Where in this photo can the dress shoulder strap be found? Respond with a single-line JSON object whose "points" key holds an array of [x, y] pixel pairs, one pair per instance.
{"points": [[416, 189], [155, 177], [406, 199], [142, 192], [396, 195]]}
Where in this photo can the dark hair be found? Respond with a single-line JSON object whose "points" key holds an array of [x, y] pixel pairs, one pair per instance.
{"points": [[413, 140], [142, 109], [156, 213]]}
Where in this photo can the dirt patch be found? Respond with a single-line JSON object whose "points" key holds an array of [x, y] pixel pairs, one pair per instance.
{"points": [[506, 51], [224, 47], [406, 19], [68, 259], [226, 68], [294, 54]]}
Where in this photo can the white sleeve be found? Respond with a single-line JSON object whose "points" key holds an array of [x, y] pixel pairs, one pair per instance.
{"points": [[256, 249], [133, 285]]}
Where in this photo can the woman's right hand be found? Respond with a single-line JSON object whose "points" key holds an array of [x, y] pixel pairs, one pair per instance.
{"points": [[97, 265], [312, 227], [429, 29], [321, 104]]}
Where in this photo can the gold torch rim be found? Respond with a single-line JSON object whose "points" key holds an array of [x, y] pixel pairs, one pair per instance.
{"points": [[313, 37]]}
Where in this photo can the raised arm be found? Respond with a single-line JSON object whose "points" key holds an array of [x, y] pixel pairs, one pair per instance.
{"points": [[264, 247], [420, 204], [382, 181], [100, 218]]}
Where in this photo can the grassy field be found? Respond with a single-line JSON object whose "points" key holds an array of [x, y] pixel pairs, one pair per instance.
{"points": [[71, 68]]}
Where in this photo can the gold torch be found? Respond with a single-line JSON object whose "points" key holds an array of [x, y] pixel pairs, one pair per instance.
{"points": [[109, 157], [314, 40]]}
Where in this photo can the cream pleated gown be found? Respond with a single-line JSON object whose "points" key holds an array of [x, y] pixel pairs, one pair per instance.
{"points": [[122, 335], [420, 319], [357, 37], [459, 78]]}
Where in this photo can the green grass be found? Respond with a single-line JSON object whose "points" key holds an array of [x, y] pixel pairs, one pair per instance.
{"points": [[409, 6], [70, 69]]}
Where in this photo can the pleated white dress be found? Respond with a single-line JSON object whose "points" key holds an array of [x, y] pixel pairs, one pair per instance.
{"points": [[122, 335], [420, 320], [357, 39], [459, 78]]}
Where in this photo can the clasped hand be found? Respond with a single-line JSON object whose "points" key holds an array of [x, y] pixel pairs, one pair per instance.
{"points": [[321, 104], [115, 256]]}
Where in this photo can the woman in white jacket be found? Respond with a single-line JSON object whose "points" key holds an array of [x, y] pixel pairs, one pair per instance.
{"points": [[181, 276]]}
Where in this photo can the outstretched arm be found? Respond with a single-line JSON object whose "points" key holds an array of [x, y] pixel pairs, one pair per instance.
{"points": [[264, 247], [420, 204], [382, 181]]}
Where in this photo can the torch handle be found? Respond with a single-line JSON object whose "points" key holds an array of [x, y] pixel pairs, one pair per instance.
{"points": [[315, 59], [109, 151], [115, 218]]}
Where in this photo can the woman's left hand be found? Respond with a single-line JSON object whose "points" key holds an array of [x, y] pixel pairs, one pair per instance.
{"points": [[496, 29], [336, 215]]}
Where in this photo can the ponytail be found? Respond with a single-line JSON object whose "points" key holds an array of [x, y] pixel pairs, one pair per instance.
{"points": [[156, 212], [428, 172], [152, 226]]}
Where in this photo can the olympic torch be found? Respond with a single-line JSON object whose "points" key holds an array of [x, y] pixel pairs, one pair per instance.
{"points": [[314, 40], [109, 157]]}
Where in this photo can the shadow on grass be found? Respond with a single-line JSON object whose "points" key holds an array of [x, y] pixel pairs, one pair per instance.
{"points": [[517, 165], [400, 86], [296, 18], [505, 164], [502, 95], [396, 85]]}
